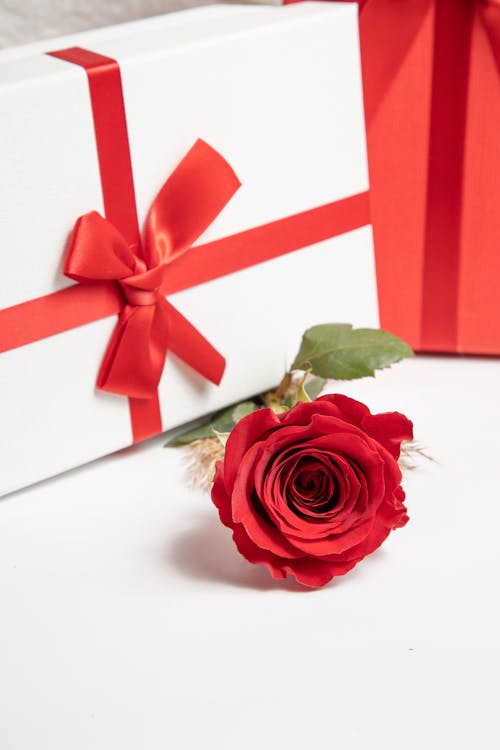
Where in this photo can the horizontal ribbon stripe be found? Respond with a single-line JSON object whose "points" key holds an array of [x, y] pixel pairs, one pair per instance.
{"points": [[269, 241], [54, 313], [80, 304]]}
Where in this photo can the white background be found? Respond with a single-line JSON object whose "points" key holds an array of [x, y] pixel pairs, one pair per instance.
{"points": [[24, 21], [128, 620]]}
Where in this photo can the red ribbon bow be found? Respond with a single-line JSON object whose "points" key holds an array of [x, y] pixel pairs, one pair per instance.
{"points": [[187, 203]]}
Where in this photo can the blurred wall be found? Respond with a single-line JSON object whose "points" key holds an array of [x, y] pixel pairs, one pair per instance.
{"points": [[24, 21]]}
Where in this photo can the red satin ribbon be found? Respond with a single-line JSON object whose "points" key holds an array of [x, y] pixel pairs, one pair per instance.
{"points": [[118, 274], [111, 250], [384, 49], [451, 59]]}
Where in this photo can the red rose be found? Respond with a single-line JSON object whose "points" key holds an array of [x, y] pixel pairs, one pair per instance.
{"points": [[313, 491]]}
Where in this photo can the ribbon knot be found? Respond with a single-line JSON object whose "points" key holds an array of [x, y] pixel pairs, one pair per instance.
{"points": [[140, 297], [148, 324], [143, 287]]}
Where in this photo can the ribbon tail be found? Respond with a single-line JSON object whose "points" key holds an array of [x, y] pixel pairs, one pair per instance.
{"points": [[187, 343], [145, 417], [135, 356]]}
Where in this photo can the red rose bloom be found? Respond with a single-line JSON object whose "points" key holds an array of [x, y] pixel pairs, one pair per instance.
{"points": [[313, 491]]}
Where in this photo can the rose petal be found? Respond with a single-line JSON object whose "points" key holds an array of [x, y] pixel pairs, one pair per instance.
{"points": [[389, 429], [302, 414], [245, 512], [244, 435], [307, 571], [220, 497], [392, 513], [349, 409], [335, 543], [254, 554], [377, 534], [314, 572]]}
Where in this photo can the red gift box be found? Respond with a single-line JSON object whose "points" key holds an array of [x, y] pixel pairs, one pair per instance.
{"points": [[432, 96]]}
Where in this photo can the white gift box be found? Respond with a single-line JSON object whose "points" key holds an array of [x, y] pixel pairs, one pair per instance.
{"points": [[277, 92]]}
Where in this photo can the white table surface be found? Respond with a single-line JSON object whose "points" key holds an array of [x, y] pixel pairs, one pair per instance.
{"points": [[129, 621]]}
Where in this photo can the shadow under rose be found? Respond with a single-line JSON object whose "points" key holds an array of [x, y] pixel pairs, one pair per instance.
{"points": [[207, 552]]}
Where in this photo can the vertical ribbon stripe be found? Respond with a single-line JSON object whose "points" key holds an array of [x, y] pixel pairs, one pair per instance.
{"points": [[110, 126], [117, 183], [451, 58]]}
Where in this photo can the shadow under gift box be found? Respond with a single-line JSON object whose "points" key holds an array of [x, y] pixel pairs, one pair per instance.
{"points": [[283, 106], [431, 72]]}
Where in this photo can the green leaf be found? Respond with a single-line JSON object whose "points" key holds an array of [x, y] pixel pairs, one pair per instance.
{"points": [[221, 422], [314, 386], [341, 352], [243, 410]]}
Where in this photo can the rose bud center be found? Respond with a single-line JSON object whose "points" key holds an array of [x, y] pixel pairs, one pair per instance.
{"points": [[312, 487]]}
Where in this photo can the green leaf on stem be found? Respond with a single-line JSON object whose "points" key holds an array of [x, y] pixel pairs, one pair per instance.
{"points": [[314, 386], [220, 423], [243, 410], [341, 352]]}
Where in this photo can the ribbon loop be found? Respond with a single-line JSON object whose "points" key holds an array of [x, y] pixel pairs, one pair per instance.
{"points": [[97, 251], [187, 204]]}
